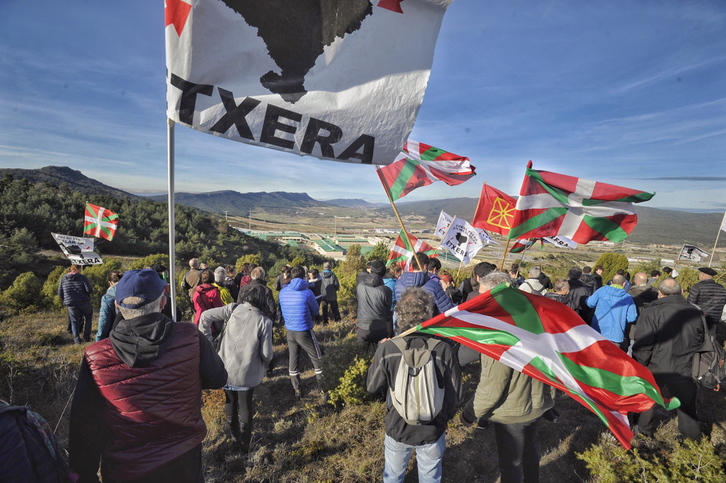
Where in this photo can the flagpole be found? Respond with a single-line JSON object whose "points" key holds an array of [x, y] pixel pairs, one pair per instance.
{"points": [[717, 235], [675, 261], [172, 233], [504, 257], [400, 220]]}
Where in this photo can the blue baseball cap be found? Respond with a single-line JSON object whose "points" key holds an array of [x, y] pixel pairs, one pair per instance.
{"points": [[145, 284]]}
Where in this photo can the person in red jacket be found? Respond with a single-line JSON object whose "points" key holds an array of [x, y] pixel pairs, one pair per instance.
{"points": [[206, 296], [137, 403]]}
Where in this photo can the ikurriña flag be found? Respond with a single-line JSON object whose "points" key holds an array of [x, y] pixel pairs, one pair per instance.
{"points": [[401, 253], [336, 80], [100, 222], [420, 165], [495, 210], [553, 204], [521, 245], [548, 341]]}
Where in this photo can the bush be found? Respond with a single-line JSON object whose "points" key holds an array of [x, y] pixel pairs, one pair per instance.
{"points": [[50, 288], [25, 294], [150, 260], [98, 276], [345, 366], [677, 463], [611, 263]]}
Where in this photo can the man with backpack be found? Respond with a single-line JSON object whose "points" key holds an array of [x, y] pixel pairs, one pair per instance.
{"points": [[532, 284], [421, 368]]}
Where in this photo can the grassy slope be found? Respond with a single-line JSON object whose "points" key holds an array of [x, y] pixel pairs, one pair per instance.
{"points": [[307, 440]]}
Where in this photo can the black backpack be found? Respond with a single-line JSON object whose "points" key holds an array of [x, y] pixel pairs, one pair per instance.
{"points": [[708, 368]]}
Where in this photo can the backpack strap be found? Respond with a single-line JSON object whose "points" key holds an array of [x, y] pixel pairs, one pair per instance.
{"points": [[538, 292], [707, 339]]}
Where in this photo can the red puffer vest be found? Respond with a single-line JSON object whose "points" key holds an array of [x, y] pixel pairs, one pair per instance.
{"points": [[153, 412]]}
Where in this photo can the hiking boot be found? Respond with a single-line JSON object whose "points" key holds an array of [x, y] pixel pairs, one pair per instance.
{"points": [[298, 394]]}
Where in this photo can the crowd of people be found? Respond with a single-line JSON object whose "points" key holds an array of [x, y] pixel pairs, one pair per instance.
{"points": [[136, 408]]}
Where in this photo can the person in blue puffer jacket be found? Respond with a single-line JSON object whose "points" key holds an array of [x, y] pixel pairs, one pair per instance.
{"points": [[107, 313], [420, 278], [299, 308]]}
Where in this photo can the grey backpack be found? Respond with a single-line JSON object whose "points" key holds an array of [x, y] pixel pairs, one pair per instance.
{"points": [[417, 394]]}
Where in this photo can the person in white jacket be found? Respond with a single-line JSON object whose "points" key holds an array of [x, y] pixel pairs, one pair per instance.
{"points": [[245, 346]]}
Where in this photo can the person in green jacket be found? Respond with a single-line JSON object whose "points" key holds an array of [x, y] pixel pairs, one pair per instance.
{"points": [[514, 403]]}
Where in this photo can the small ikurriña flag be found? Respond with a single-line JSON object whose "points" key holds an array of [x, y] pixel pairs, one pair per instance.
{"points": [[495, 210], [521, 245], [401, 254], [420, 165], [546, 340], [553, 204], [100, 222]]}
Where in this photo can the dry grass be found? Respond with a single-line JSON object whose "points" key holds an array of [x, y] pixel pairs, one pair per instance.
{"points": [[309, 440]]}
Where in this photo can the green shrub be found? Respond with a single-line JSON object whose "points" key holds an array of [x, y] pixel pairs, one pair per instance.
{"points": [[50, 288], [690, 461], [25, 294], [351, 385], [611, 263], [150, 260], [98, 276]]}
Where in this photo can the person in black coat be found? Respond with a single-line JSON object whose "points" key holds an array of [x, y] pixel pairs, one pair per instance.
{"points": [[669, 332]]}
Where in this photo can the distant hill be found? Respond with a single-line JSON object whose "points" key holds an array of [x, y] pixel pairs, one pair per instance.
{"points": [[59, 175], [355, 203], [655, 226], [239, 204]]}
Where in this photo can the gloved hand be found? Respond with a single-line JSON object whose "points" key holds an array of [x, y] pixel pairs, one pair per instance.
{"points": [[467, 416], [551, 415]]}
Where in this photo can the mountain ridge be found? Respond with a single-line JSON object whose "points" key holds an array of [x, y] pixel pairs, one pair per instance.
{"points": [[655, 226]]}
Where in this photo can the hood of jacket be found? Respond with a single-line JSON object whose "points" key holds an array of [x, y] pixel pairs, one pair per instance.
{"points": [[140, 341], [414, 279], [327, 274], [75, 276], [371, 279], [298, 284], [205, 287], [111, 292]]}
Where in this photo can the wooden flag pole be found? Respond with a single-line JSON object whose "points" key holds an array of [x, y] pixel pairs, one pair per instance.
{"points": [[710, 261], [400, 220], [504, 257]]}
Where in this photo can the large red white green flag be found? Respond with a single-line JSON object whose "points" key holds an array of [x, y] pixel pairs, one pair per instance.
{"points": [[337, 80], [551, 204], [401, 252], [548, 341], [100, 222], [420, 165]]}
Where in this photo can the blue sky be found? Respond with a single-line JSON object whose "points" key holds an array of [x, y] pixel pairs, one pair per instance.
{"points": [[623, 92]]}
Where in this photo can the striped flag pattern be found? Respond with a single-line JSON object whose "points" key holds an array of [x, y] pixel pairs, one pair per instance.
{"points": [[420, 165], [555, 204], [402, 255], [546, 340], [100, 222]]}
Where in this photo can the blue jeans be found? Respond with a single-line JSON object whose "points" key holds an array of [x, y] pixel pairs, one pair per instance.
{"points": [[81, 319], [428, 459]]}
